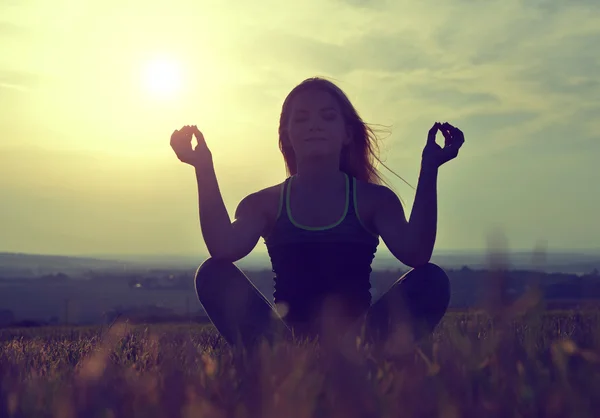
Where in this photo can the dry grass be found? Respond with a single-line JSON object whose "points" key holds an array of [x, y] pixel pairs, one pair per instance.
{"points": [[535, 364]]}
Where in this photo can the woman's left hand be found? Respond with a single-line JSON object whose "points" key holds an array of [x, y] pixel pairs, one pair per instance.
{"points": [[434, 155]]}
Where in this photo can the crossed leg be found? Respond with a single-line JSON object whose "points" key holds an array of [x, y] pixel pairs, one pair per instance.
{"points": [[416, 302]]}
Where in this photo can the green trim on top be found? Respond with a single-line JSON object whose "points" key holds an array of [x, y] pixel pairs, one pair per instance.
{"points": [[281, 199], [356, 209], [316, 228]]}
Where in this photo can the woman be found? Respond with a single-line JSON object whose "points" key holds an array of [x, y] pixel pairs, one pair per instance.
{"points": [[321, 227]]}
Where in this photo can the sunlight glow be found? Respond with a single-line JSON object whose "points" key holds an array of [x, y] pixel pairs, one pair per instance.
{"points": [[162, 78]]}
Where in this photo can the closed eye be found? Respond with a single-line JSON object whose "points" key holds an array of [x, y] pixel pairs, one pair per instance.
{"points": [[328, 116]]}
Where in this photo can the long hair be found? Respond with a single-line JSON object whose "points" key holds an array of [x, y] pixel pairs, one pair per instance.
{"points": [[358, 158]]}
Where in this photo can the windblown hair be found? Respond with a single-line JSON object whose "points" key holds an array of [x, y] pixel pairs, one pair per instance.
{"points": [[358, 159]]}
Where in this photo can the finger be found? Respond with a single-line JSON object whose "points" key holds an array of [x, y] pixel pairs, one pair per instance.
{"points": [[174, 136], [457, 138], [432, 132], [199, 135], [454, 130], [459, 135], [449, 153], [445, 128], [453, 149], [188, 132]]}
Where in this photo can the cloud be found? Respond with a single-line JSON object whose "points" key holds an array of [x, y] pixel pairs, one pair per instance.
{"points": [[449, 96], [498, 120], [571, 67], [366, 4], [373, 51], [290, 52], [398, 53], [19, 80], [503, 72], [492, 54], [9, 29]]}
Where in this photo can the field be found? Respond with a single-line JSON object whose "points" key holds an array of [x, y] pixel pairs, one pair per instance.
{"points": [[509, 364]]}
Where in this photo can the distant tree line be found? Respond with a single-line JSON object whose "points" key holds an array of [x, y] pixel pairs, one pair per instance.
{"points": [[470, 288]]}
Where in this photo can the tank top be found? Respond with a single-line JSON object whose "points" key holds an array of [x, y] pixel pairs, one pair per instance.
{"points": [[312, 264]]}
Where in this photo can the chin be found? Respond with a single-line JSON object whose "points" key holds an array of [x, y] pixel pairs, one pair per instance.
{"points": [[319, 149], [318, 152]]}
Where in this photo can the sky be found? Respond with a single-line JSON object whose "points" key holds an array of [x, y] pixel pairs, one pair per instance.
{"points": [[85, 161]]}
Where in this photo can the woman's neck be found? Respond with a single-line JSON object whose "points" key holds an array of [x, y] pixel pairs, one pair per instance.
{"points": [[317, 175]]}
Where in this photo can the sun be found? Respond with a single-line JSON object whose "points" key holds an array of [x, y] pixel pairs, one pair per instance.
{"points": [[162, 78]]}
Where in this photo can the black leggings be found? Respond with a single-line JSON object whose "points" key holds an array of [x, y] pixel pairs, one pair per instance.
{"points": [[241, 313]]}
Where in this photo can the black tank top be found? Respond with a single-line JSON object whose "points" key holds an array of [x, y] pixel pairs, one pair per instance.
{"points": [[314, 263]]}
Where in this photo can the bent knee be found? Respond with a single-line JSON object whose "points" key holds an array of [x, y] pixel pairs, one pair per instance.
{"points": [[214, 272], [431, 269], [211, 269], [211, 265], [435, 278]]}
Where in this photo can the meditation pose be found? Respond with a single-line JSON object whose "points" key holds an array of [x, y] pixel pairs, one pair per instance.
{"points": [[321, 226]]}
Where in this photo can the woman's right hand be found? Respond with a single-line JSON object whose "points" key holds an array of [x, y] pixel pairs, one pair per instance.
{"points": [[181, 142]]}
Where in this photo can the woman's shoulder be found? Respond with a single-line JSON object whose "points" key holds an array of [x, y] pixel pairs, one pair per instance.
{"points": [[267, 198], [266, 201], [270, 192], [372, 192], [371, 198]]}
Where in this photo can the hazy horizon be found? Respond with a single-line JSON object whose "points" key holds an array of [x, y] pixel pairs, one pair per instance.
{"points": [[525, 252], [89, 98], [549, 261]]}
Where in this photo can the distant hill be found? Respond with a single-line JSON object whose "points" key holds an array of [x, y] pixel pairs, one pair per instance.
{"points": [[34, 265]]}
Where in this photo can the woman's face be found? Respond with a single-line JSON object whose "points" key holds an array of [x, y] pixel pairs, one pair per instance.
{"points": [[316, 126]]}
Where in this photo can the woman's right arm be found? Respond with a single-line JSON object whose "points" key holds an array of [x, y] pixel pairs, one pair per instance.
{"points": [[224, 240]]}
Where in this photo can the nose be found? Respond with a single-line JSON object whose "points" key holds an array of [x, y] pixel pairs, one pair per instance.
{"points": [[315, 124]]}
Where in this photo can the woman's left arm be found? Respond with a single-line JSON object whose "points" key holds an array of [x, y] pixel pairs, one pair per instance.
{"points": [[412, 242], [422, 225]]}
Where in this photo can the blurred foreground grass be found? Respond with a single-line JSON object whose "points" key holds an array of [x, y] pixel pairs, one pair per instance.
{"points": [[535, 364]]}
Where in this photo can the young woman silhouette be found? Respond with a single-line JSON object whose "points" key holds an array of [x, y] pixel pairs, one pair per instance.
{"points": [[321, 227]]}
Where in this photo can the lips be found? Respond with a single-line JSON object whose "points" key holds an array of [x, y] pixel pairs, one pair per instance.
{"points": [[315, 139]]}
